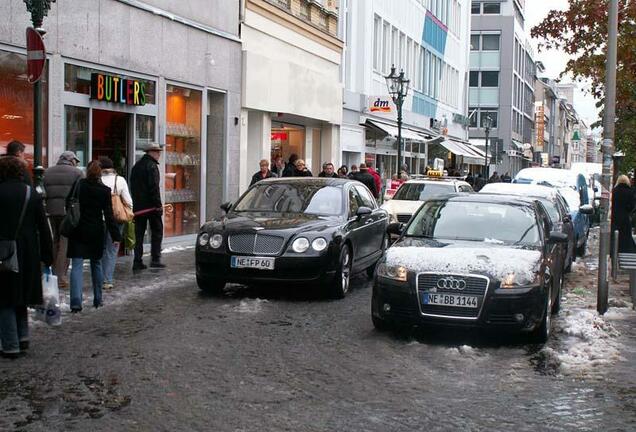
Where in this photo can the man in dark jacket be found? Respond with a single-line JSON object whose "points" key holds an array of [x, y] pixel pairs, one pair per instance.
{"points": [[365, 178], [328, 171], [16, 149], [263, 173], [146, 195], [290, 168], [58, 181]]}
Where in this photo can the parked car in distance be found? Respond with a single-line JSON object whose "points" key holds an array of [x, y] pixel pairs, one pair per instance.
{"points": [[410, 196], [303, 230], [555, 205], [581, 217], [472, 260]]}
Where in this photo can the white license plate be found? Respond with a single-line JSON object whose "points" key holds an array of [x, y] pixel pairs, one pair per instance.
{"points": [[450, 300], [252, 262]]}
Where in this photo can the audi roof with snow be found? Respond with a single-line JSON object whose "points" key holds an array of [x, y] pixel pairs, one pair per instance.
{"points": [[473, 260], [411, 194], [293, 230]]}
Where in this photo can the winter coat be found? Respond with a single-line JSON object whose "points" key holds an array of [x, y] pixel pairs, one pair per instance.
{"points": [[323, 175], [26, 172], [623, 204], [87, 240], [108, 179], [377, 179], [278, 171], [289, 170], [144, 184], [304, 173], [367, 179], [258, 177], [58, 181], [35, 245]]}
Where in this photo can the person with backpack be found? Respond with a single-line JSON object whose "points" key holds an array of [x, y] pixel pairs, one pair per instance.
{"points": [[119, 191], [24, 222]]}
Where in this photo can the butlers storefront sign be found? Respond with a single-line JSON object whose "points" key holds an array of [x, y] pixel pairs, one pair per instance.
{"points": [[116, 89]]}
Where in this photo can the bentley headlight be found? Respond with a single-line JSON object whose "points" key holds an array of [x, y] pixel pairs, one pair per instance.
{"points": [[515, 280], [216, 241], [300, 245], [397, 273], [204, 239], [319, 244]]}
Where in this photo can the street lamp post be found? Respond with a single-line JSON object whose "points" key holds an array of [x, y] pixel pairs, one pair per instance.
{"points": [[38, 9], [487, 124], [398, 87]]}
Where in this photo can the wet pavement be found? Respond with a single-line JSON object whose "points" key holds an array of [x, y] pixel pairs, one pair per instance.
{"points": [[162, 356]]}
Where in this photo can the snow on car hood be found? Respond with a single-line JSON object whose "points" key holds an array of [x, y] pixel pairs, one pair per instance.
{"points": [[496, 262]]}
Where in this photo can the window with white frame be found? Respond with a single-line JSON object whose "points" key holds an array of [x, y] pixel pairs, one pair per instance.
{"points": [[377, 43], [386, 47]]}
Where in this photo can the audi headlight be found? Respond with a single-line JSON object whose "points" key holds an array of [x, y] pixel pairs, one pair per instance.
{"points": [[204, 239], [300, 245], [397, 273], [216, 241], [319, 244], [514, 280]]}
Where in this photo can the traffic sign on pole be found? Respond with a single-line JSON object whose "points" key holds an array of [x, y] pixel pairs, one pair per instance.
{"points": [[36, 55]]}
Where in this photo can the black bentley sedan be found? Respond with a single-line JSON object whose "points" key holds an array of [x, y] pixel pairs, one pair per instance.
{"points": [[293, 230], [473, 260]]}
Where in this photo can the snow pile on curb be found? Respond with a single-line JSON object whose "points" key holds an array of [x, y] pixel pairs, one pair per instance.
{"points": [[590, 341], [250, 306], [172, 249], [465, 351]]}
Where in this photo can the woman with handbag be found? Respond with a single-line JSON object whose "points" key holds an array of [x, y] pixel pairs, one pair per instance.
{"points": [[86, 240], [122, 213], [25, 242]]}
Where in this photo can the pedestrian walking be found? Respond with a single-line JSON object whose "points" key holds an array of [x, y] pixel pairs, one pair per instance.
{"points": [[623, 204], [506, 178], [354, 169], [376, 178], [343, 172], [86, 241], [291, 166], [263, 173], [58, 181], [365, 178], [494, 178], [279, 166], [328, 171], [25, 221], [480, 182], [16, 149], [118, 187], [470, 179], [301, 169], [146, 195]]}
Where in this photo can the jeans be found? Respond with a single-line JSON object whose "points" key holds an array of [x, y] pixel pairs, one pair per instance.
{"points": [[77, 282], [110, 256], [14, 328], [61, 262], [156, 236]]}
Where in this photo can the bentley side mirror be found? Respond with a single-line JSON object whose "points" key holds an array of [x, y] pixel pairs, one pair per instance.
{"points": [[557, 237], [586, 209], [363, 211], [226, 207], [395, 228]]}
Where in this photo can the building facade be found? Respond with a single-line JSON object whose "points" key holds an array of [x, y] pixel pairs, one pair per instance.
{"points": [[291, 85], [122, 74], [428, 40], [502, 83]]}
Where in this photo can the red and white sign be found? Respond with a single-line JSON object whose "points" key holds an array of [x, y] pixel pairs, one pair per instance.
{"points": [[36, 55]]}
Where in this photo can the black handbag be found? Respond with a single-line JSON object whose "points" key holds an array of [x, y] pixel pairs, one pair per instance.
{"points": [[72, 217], [9, 248]]}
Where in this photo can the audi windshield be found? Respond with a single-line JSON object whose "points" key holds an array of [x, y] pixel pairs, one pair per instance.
{"points": [[422, 191], [476, 221], [292, 198]]}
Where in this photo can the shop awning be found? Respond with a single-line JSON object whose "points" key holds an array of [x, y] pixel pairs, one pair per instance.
{"points": [[393, 131], [469, 154]]}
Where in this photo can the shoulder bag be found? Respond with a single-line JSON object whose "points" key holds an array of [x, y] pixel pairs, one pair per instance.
{"points": [[121, 212], [72, 217], [9, 248]]}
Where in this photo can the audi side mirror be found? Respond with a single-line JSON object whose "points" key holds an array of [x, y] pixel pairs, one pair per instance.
{"points": [[395, 228], [226, 207], [363, 211], [558, 237]]}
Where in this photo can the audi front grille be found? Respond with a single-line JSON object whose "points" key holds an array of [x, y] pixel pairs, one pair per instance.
{"points": [[474, 286]]}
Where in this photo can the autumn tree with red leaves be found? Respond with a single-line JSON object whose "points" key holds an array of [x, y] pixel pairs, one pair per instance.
{"points": [[582, 33]]}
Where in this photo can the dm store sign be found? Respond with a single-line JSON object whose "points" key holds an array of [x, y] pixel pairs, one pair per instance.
{"points": [[380, 105], [115, 89]]}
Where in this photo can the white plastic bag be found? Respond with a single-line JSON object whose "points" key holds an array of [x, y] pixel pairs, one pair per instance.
{"points": [[50, 311]]}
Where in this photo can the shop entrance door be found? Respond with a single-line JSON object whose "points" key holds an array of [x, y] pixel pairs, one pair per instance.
{"points": [[111, 135]]}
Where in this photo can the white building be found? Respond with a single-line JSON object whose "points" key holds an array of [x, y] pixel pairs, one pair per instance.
{"points": [[429, 40]]}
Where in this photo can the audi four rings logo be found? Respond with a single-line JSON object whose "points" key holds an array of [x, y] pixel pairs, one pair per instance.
{"points": [[451, 283]]}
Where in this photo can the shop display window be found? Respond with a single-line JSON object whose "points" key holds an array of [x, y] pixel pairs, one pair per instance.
{"points": [[16, 105], [76, 119], [183, 160], [77, 79], [287, 140], [144, 134]]}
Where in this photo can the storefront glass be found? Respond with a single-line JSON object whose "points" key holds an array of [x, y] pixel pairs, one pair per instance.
{"points": [[16, 105], [144, 134], [77, 131], [183, 160], [287, 140]]}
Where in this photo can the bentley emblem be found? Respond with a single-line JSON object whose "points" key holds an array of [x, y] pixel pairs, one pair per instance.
{"points": [[451, 283], [258, 228]]}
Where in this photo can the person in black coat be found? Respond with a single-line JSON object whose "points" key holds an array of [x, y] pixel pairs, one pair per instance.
{"points": [[87, 239], [34, 245], [291, 166], [623, 203], [263, 173], [146, 195], [301, 169], [365, 178], [328, 171], [16, 149]]}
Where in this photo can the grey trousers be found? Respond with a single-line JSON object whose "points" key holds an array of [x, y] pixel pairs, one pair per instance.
{"points": [[60, 243], [14, 328]]}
